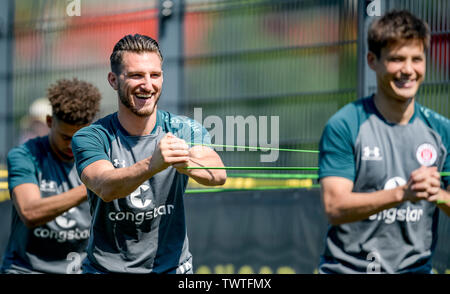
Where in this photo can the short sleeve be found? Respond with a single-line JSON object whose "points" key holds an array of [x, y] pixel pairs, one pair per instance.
{"points": [[88, 146], [21, 167], [192, 132], [336, 151], [441, 125], [446, 179], [446, 168]]}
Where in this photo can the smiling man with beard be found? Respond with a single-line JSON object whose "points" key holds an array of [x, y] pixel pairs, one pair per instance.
{"points": [[133, 163]]}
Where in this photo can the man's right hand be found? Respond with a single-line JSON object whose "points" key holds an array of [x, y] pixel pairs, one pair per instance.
{"points": [[170, 150], [423, 183]]}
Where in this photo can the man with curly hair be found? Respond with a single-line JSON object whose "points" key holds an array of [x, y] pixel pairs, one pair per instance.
{"points": [[50, 215], [133, 163]]}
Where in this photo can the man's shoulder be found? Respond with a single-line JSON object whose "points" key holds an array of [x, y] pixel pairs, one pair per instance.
{"points": [[352, 110], [105, 125], [352, 115], [435, 121], [35, 147], [432, 116], [171, 122]]}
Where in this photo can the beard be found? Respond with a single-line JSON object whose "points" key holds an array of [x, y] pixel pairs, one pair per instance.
{"points": [[126, 101]]}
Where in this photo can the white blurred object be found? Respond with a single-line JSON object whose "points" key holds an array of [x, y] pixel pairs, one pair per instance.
{"points": [[40, 108], [34, 124]]}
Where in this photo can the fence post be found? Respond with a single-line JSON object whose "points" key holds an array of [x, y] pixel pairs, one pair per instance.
{"points": [[6, 79], [171, 14], [368, 10]]}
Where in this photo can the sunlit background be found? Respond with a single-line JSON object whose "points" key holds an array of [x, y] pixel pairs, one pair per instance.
{"points": [[298, 60]]}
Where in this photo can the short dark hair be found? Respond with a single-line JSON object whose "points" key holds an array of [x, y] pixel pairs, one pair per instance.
{"points": [[73, 101], [396, 26], [132, 43]]}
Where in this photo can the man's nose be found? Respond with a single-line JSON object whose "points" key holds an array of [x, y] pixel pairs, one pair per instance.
{"points": [[407, 67], [147, 85]]}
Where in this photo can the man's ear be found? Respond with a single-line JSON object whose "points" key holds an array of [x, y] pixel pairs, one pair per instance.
{"points": [[113, 80], [372, 60], [49, 120]]}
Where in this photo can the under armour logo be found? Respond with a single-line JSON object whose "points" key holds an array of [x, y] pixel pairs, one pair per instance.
{"points": [[49, 186], [371, 154], [118, 163], [184, 268]]}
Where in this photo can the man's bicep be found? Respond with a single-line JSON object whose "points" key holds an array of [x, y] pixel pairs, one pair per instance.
{"points": [[336, 157], [88, 147], [335, 187], [21, 168]]}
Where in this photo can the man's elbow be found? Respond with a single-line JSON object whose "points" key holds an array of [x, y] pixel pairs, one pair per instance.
{"points": [[105, 192], [334, 215], [30, 219], [99, 188], [335, 220], [217, 178], [221, 178], [107, 195]]}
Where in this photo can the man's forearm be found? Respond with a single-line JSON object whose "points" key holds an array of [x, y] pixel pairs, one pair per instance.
{"points": [[359, 206], [443, 201], [120, 182], [204, 157], [40, 211], [207, 177]]}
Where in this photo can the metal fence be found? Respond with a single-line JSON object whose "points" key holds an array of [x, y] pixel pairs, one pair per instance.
{"points": [[298, 61], [294, 60], [281, 67]]}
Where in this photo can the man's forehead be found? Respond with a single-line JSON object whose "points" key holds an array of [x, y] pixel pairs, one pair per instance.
{"points": [[65, 128], [140, 59], [412, 46]]}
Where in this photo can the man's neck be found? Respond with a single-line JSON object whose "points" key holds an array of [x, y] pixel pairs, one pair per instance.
{"points": [[394, 110], [136, 125]]}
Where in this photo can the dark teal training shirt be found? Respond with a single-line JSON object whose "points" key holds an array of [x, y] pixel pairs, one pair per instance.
{"points": [[60, 245], [145, 231], [360, 145]]}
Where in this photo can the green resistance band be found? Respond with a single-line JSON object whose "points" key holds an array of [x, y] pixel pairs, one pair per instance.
{"points": [[255, 148], [254, 167]]}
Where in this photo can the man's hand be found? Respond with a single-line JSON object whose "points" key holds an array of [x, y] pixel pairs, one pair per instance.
{"points": [[423, 184], [170, 151]]}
